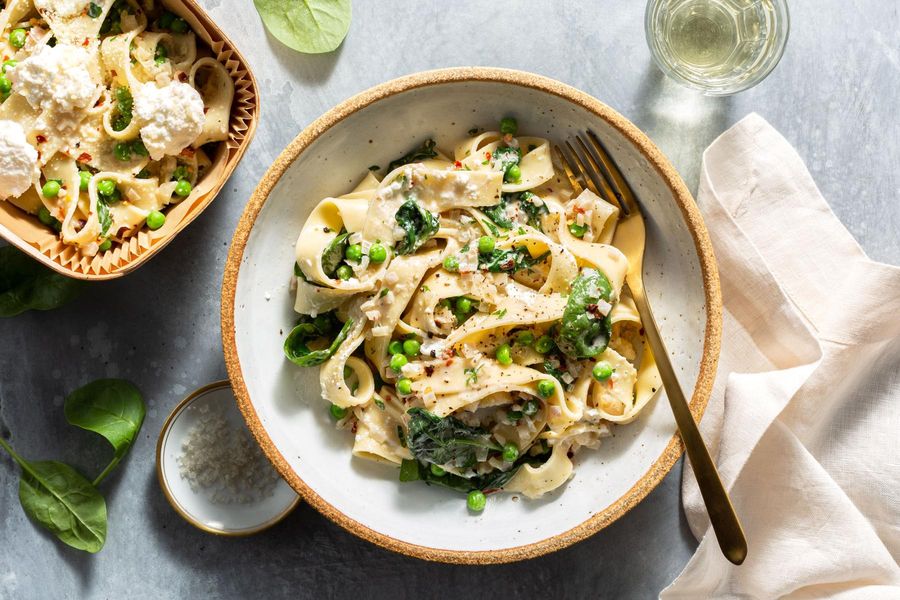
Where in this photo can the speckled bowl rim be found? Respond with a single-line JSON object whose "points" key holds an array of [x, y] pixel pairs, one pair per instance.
{"points": [[167, 490], [693, 220]]}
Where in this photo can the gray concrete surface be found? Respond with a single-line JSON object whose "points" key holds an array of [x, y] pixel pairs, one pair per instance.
{"points": [[834, 96]]}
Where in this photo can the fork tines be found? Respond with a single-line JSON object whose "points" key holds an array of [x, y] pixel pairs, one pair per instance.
{"points": [[589, 165]]}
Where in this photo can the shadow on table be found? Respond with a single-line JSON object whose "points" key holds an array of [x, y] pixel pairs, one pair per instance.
{"points": [[681, 121], [307, 556]]}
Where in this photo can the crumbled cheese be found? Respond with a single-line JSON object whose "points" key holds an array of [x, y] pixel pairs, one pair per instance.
{"points": [[171, 117], [57, 82], [18, 160], [62, 8], [224, 461]]}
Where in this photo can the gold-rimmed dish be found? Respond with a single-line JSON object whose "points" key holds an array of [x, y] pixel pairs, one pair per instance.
{"points": [[195, 505], [282, 404], [26, 232]]}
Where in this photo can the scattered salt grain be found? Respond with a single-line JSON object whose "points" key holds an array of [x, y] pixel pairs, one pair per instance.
{"points": [[223, 460]]}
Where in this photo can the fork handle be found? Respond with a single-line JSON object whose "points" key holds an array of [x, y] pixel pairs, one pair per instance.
{"points": [[724, 520]]}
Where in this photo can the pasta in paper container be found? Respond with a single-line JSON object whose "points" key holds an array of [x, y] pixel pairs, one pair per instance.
{"points": [[469, 317], [120, 120]]}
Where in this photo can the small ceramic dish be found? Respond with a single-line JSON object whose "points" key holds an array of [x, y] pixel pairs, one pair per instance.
{"points": [[197, 506], [282, 403], [40, 242]]}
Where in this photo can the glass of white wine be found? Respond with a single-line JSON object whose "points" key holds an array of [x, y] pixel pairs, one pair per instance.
{"points": [[717, 46]]}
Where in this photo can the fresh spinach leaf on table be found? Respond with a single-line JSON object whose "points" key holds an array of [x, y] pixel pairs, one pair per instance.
{"points": [[54, 494], [310, 26], [27, 285], [112, 408]]}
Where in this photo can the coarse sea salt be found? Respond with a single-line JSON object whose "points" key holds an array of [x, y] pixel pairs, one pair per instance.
{"points": [[222, 460]]}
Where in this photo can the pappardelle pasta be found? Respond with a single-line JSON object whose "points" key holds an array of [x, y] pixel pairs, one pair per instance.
{"points": [[469, 317], [109, 112]]}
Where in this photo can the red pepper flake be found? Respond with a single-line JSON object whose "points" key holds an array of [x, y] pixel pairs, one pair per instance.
{"points": [[86, 42], [40, 139], [182, 76], [579, 209], [610, 383], [487, 155], [458, 165], [188, 152], [84, 157], [448, 362]]}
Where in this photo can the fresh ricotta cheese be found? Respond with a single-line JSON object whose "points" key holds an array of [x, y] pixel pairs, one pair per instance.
{"points": [[18, 160], [171, 117], [57, 82]]}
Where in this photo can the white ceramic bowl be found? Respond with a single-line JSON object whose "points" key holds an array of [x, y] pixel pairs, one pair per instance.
{"points": [[282, 403]]}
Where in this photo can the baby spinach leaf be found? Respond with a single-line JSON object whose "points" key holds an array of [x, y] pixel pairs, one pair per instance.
{"points": [[423, 152], [499, 213], [509, 261], [584, 332], [334, 254], [419, 225], [534, 211], [112, 408], [28, 285], [103, 216], [414, 470], [63, 501], [446, 440], [310, 26], [308, 329]]}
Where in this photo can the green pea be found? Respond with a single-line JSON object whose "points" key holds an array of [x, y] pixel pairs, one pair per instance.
{"points": [[509, 125], [397, 362], [476, 501], [578, 230], [155, 220], [531, 408], [463, 305], [106, 187], [165, 20], [51, 189], [180, 172], [179, 25], [544, 344], [411, 347], [17, 37], [546, 388], [45, 217], [183, 188], [353, 252], [5, 85], [404, 386], [525, 338], [486, 244], [395, 347], [105, 245], [503, 355], [9, 63], [337, 412], [84, 180], [122, 150], [602, 371], [437, 471], [377, 253], [513, 174], [451, 263], [344, 272], [510, 452]]}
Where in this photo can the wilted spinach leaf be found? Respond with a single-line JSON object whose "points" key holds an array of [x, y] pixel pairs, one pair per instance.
{"points": [[311, 26], [28, 285], [103, 216], [63, 501], [509, 261], [334, 253], [419, 225], [308, 329], [423, 152], [499, 214], [112, 408], [584, 332], [447, 440]]}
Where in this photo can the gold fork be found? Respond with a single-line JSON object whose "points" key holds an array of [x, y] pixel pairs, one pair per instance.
{"points": [[588, 165]]}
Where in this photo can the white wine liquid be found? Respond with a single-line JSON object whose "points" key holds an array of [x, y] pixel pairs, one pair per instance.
{"points": [[714, 42]]}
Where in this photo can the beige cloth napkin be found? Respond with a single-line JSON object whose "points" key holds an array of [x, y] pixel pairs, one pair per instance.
{"points": [[805, 413]]}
